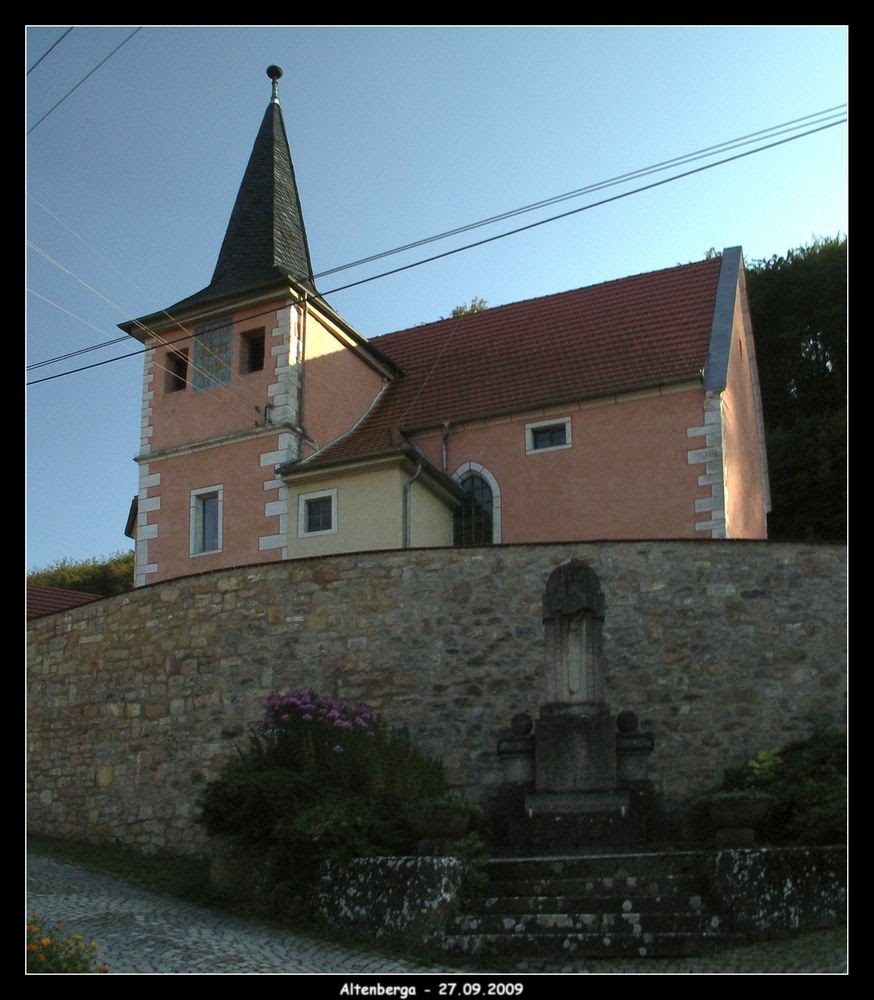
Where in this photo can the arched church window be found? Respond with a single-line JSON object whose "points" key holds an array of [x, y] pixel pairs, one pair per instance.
{"points": [[473, 520]]}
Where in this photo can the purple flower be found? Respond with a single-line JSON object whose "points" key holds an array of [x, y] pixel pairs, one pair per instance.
{"points": [[284, 718], [307, 718], [338, 749]]}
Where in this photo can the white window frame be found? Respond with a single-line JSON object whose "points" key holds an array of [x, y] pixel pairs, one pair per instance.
{"points": [[543, 425], [195, 530], [475, 469], [302, 501]]}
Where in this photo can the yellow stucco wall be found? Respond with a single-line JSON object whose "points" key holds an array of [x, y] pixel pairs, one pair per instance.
{"points": [[369, 512], [338, 387], [430, 519]]}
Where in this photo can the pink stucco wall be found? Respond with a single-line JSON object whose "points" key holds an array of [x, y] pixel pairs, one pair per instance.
{"points": [[187, 415], [236, 468], [338, 385], [625, 475]]}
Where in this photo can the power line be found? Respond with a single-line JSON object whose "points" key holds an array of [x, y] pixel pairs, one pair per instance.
{"points": [[597, 186], [71, 354], [519, 229], [84, 78], [576, 211], [771, 131], [146, 330], [49, 49], [127, 278]]}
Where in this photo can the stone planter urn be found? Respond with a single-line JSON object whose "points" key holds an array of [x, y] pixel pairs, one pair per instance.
{"points": [[736, 815]]}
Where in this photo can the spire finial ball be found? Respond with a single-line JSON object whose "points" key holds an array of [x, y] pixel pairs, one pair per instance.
{"points": [[274, 72]]}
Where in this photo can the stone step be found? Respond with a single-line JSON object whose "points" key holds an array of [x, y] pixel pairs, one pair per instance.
{"points": [[528, 948], [589, 906], [584, 922], [629, 903], [599, 865], [654, 886]]}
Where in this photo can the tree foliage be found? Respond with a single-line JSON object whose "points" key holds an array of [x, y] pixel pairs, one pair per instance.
{"points": [[111, 575], [807, 781], [476, 306], [798, 305]]}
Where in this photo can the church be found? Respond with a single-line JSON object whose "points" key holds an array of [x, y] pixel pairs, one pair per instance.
{"points": [[272, 429]]}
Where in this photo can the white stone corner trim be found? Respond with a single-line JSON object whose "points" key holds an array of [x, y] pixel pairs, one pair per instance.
{"points": [[146, 531], [283, 391], [714, 476], [276, 508]]}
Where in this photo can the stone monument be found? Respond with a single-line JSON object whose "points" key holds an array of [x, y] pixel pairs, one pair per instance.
{"points": [[574, 796]]}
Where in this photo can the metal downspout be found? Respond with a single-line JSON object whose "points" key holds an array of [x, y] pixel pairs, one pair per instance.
{"points": [[408, 485], [301, 379]]}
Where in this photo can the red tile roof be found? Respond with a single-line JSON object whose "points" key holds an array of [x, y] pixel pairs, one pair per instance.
{"points": [[625, 334], [47, 600]]}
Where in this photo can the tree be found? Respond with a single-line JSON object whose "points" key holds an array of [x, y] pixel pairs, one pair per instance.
{"points": [[109, 576], [798, 305], [476, 306]]}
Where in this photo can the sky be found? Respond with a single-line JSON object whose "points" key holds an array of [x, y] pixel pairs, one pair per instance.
{"points": [[396, 134]]}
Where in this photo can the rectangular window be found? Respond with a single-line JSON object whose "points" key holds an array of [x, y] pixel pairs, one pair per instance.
{"points": [[251, 351], [317, 513], [212, 356], [548, 435], [176, 375], [206, 520]]}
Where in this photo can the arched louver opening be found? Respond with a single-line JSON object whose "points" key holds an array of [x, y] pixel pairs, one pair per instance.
{"points": [[473, 519]]}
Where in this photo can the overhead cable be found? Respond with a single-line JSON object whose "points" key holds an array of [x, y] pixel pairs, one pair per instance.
{"points": [[521, 229], [84, 78], [49, 49]]}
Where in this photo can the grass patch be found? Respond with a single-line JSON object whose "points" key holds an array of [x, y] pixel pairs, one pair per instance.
{"points": [[185, 878]]}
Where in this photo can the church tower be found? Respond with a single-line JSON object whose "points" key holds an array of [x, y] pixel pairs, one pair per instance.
{"points": [[224, 380]]}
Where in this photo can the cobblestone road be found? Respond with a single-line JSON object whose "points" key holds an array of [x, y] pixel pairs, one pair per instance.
{"points": [[142, 932]]}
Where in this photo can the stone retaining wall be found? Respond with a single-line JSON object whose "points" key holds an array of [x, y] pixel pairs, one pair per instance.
{"points": [[722, 649], [770, 891]]}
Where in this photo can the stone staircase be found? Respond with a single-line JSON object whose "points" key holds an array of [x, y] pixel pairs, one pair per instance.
{"points": [[595, 906]]}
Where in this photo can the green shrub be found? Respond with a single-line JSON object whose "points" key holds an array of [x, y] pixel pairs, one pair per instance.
{"points": [[807, 781], [320, 780]]}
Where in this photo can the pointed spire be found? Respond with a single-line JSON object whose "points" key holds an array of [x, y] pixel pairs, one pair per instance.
{"points": [[265, 240]]}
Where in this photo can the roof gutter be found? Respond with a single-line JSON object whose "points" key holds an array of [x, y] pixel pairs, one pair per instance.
{"points": [[552, 404], [162, 320]]}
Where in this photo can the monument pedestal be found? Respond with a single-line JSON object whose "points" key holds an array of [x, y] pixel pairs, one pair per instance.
{"points": [[583, 797], [575, 748]]}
